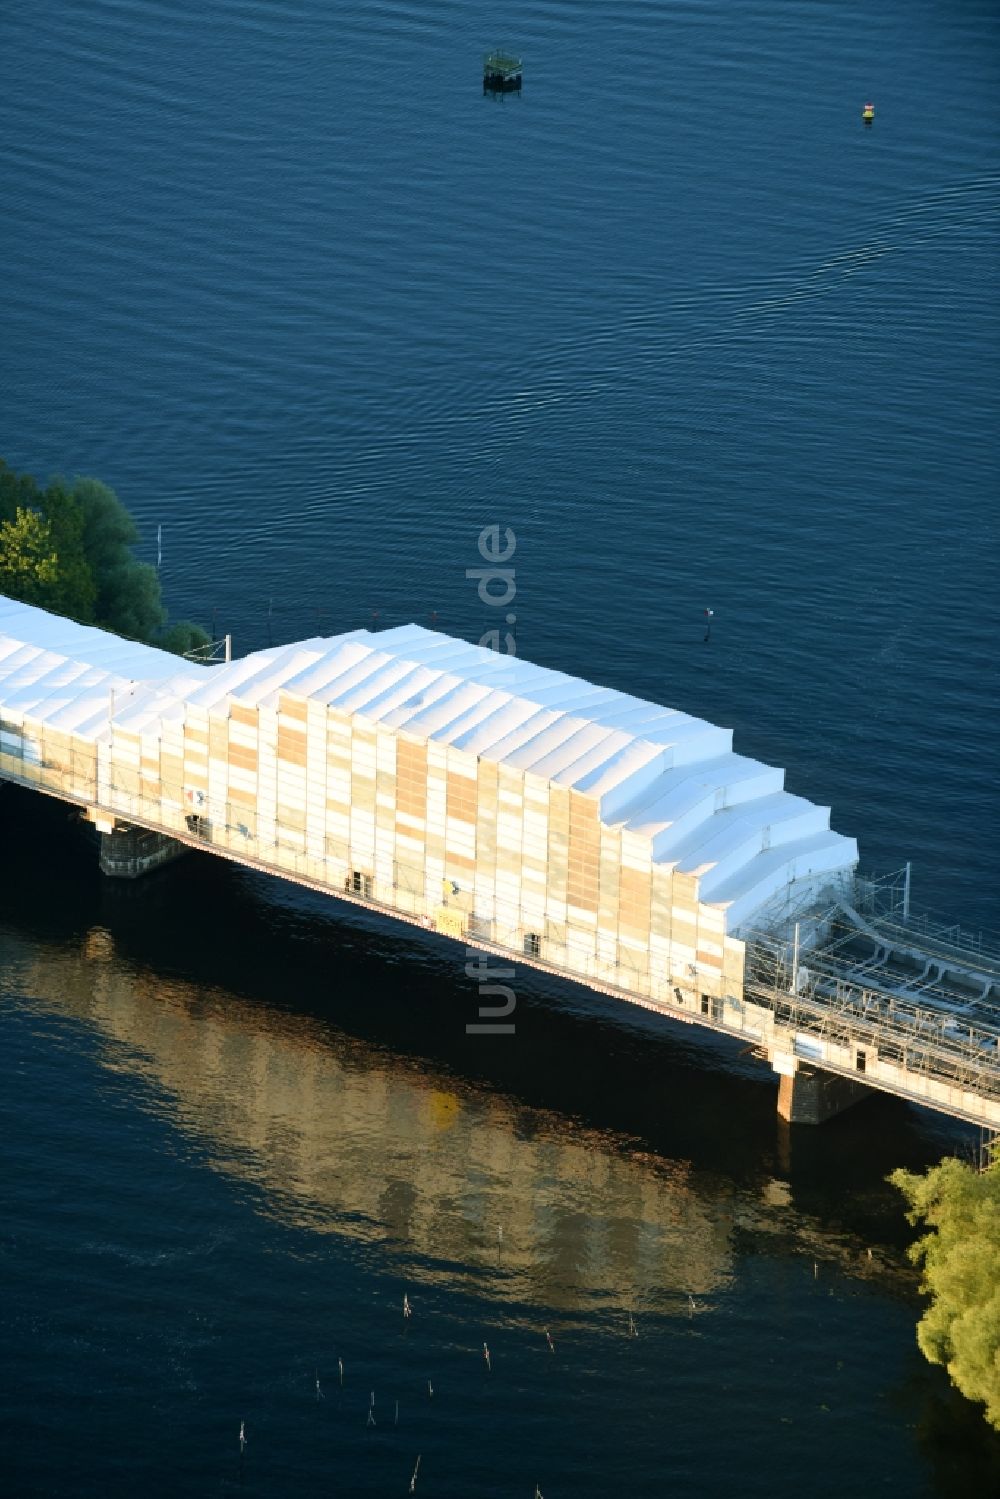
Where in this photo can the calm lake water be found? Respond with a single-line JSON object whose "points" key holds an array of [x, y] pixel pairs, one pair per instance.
{"points": [[282, 276]]}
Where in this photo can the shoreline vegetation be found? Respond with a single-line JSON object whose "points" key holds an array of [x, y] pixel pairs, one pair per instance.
{"points": [[959, 1256], [67, 548]]}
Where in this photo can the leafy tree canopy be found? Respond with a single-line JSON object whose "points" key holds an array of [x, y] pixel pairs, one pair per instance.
{"points": [[16, 491], [68, 548], [28, 559], [77, 589], [960, 1259], [183, 637]]}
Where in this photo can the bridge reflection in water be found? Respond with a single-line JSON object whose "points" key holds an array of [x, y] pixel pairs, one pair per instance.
{"points": [[341, 1140], [592, 835]]}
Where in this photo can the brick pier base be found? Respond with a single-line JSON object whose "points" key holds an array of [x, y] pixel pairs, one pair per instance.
{"points": [[811, 1096], [126, 853]]}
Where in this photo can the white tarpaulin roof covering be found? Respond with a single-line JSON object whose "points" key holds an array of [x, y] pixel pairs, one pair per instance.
{"points": [[671, 780], [57, 672]]}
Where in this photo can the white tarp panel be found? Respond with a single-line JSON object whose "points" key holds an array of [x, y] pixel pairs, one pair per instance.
{"points": [[670, 779]]}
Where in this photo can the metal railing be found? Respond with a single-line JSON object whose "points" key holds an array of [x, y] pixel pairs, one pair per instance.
{"points": [[890, 1032], [925, 1045]]}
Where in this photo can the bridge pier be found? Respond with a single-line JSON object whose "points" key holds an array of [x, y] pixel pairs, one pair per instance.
{"points": [[809, 1096], [127, 852]]}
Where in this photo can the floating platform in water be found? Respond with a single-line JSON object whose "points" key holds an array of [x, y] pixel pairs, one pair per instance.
{"points": [[501, 73]]}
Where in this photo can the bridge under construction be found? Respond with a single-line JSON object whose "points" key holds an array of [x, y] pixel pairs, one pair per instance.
{"points": [[523, 812]]}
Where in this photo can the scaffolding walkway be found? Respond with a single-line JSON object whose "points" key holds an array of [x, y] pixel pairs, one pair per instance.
{"points": [[891, 994]]}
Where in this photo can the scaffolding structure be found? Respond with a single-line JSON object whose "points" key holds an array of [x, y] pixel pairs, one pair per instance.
{"points": [[872, 979], [861, 987]]}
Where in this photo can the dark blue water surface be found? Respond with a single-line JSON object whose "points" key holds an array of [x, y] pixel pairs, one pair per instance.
{"points": [[281, 275]]}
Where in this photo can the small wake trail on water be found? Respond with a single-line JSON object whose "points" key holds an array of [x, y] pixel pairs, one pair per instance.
{"points": [[650, 337], [604, 351], [956, 208]]}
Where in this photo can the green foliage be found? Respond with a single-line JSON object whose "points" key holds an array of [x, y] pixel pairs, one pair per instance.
{"points": [[68, 548], [29, 566], [183, 637], [960, 1258], [17, 492], [133, 605], [128, 592], [77, 593]]}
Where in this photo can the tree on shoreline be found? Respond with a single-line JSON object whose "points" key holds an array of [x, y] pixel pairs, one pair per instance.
{"points": [[960, 1259], [68, 548], [28, 558]]}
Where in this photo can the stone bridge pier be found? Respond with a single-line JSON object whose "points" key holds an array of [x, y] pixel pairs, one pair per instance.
{"points": [[808, 1095], [126, 852]]}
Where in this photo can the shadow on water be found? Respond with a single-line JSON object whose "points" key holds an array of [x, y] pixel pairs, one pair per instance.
{"points": [[402, 997], [318, 1058], [961, 1452]]}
